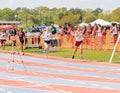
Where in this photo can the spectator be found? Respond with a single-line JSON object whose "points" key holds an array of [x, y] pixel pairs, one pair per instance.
{"points": [[10, 33], [88, 37], [72, 34], [14, 31], [33, 29], [54, 32], [94, 30], [114, 32], [99, 36], [60, 34], [60, 30], [65, 28], [68, 32], [104, 32], [39, 33]]}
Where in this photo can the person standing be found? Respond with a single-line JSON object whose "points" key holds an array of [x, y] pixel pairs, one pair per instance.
{"points": [[94, 31], [70, 28], [47, 40], [65, 28], [72, 34], [104, 33], [60, 37], [54, 37], [99, 36], [14, 31], [78, 42], [88, 36], [114, 32], [21, 36]]}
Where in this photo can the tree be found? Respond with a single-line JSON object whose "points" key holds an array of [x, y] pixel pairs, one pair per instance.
{"points": [[25, 10], [115, 16], [106, 15], [18, 9], [70, 18], [89, 18], [97, 11], [7, 14], [76, 11]]}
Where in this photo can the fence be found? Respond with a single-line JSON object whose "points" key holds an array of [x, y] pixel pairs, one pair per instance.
{"points": [[92, 43]]}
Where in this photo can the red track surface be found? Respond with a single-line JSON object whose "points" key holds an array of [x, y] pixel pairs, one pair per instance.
{"points": [[59, 87]]}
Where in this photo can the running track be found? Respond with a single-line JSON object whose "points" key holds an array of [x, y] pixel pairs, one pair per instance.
{"points": [[57, 75]]}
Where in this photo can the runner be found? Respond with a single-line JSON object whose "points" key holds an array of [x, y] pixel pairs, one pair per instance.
{"points": [[3, 36], [21, 35], [78, 42], [47, 40]]}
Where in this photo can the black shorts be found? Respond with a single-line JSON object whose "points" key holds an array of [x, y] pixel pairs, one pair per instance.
{"points": [[21, 41], [48, 42]]}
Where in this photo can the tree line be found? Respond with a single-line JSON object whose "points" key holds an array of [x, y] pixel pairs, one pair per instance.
{"points": [[43, 15]]}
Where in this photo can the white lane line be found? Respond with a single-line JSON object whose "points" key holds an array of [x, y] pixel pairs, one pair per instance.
{"points": [[4, 90], [95, 85], [60, 90], [9, 92], [118, 69], [1, 89]]}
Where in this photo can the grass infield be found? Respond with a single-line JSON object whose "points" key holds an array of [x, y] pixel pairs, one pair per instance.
{"points": [[94, 55]]}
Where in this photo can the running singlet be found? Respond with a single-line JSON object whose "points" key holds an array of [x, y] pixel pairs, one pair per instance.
{"points": [[3, 36], [99, 32], [79, 37], [47, 36], [114, 31]]}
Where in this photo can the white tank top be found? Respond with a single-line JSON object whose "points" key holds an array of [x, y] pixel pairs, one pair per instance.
{"points": [[99, 32], [71, 33], [3, 36], [79, 37], [114, 31], [47, 36]]}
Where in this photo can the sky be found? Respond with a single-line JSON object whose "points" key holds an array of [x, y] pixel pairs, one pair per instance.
{"points": [[82, 4]]}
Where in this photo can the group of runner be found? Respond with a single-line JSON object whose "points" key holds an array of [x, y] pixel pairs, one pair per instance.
{"points": [[78, 35], [11, 33]]}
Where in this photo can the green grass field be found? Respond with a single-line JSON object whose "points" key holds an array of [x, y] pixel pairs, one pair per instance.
{"points": [[99, 56]]}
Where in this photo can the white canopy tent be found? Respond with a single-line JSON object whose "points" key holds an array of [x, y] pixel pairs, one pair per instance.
{"points": [[101, 22], [115, 22], [82, 24]]}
